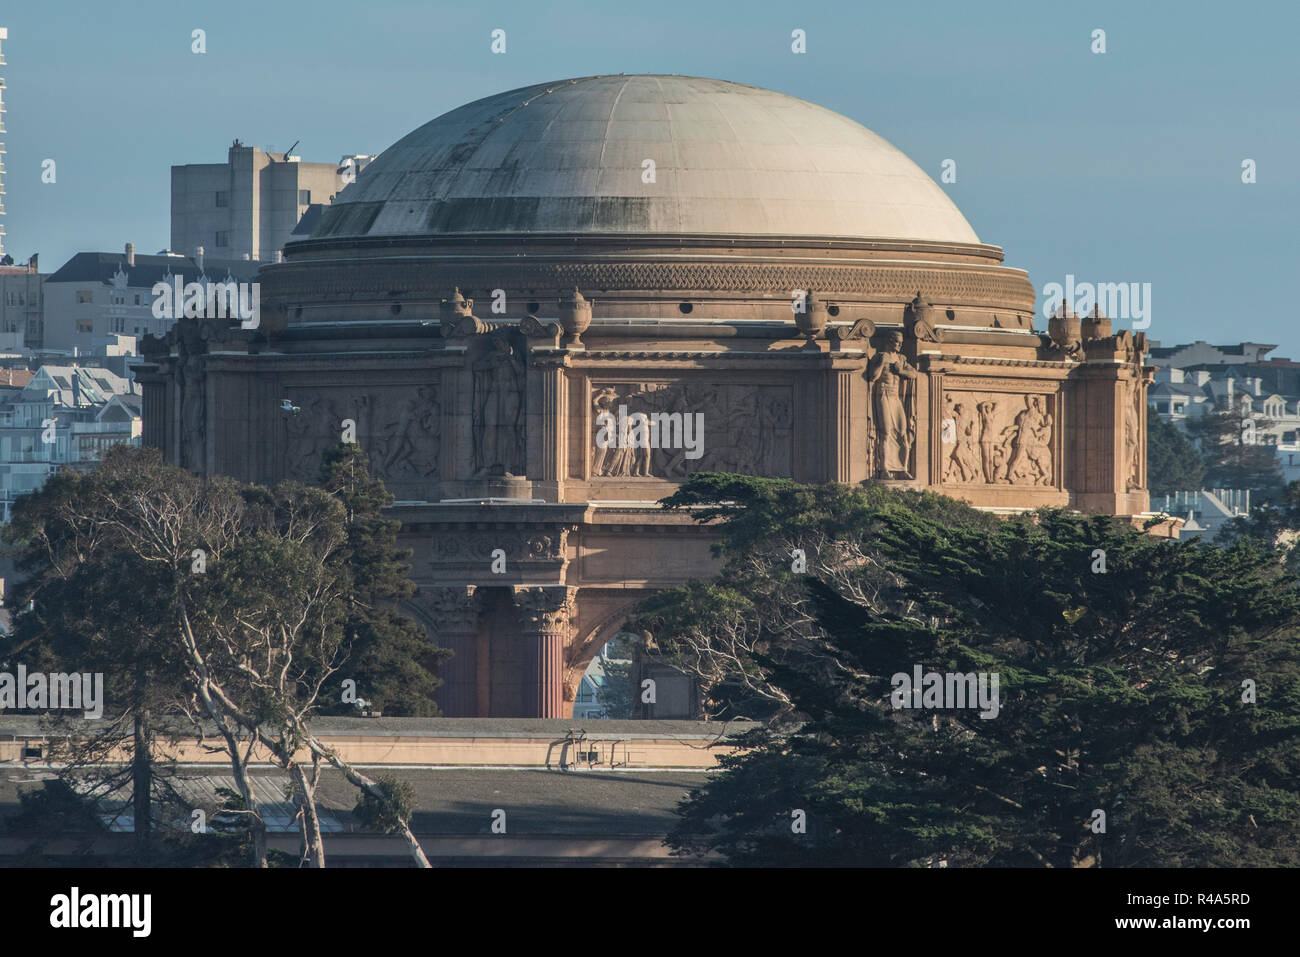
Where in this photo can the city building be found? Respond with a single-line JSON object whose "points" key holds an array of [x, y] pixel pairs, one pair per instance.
{"points": [[22, 307], [1204, 511], [60, 416], [246, 207], [1198, 379], [96, 300], [778, 289]]}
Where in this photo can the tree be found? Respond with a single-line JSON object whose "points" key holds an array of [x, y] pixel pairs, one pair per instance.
{"points": [[258, 597], [1235, 454], [1120, 688], [1276, 524], [393, 663], [617, 694], [74, 613], [1174, 463]]}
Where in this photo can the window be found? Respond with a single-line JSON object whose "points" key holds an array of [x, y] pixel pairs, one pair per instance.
{"points": [[223, 238], [85, 325], [223, 198], [84, 296], [137, 299], [304, 197], [119, 324]]}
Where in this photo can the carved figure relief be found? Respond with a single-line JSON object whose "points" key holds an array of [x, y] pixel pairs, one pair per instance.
{"points": [[498, 409], [547, 609], [465, 546], [398, 427], [999, 439], [893, 410], [964, 464], [736, 427], [1132, 420]]}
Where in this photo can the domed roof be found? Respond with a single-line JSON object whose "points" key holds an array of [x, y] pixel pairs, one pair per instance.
{"points": [[570, 157]]}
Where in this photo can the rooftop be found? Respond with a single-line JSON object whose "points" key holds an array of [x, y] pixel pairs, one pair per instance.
{"points": [[575, 156]]}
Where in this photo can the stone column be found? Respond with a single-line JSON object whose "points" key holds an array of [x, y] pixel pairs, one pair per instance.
{"points": [[455, 614], [545, 614], [548, 423]]}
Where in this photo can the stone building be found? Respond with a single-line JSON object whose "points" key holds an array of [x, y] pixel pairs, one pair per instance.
{"points": [[758, 284], [246, 207], [96, 297], [1199, 379]]}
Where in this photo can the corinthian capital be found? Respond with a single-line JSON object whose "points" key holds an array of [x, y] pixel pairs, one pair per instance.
{"points": [[453, 609], [546, 608]]}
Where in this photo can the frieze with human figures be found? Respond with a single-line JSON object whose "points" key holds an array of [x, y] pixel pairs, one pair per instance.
{"points": [[997, 438], [743, 428], [398, 428]]}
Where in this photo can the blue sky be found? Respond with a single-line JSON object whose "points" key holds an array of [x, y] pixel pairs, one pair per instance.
{"points": [[1122, 167]]}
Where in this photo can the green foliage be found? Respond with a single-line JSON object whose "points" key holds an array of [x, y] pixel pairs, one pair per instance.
{"points": [[139, 570], [393, 662], [1174, 463], [1273, 523], [617, 695], [386, 815], [1120, 691], [1231, 461]]}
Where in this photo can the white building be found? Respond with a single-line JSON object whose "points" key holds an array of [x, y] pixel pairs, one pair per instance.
{"points": [[94, 297], [66, 415], [1199, 379]]}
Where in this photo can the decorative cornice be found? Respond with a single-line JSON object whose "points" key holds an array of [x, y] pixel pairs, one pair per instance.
{"points": [[999, 361], [887, 282]]}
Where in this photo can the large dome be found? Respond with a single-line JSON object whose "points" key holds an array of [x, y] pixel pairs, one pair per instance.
{"points": [[569, 157]]}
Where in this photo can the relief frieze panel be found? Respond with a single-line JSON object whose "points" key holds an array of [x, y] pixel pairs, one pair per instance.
{"points": [[997, 438], [668, 430], [398, 427]]}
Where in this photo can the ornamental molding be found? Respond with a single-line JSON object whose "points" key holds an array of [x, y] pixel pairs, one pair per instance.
{"points": [[891, 282]]}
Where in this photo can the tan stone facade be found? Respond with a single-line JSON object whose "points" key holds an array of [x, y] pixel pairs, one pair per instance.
{"points": [[672, 274], [816, 362]]}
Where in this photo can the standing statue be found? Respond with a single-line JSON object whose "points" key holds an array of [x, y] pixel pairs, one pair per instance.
{"points": [[893, 403], [498, 411], [189, 380]]}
